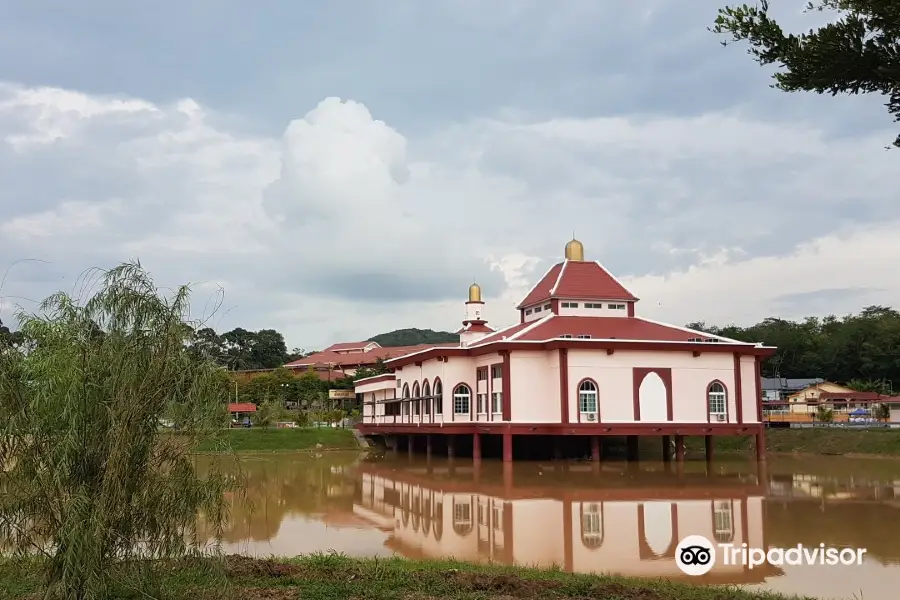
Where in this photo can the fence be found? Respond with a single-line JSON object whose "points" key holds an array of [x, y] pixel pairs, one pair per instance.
{"points": [[833, 412]]}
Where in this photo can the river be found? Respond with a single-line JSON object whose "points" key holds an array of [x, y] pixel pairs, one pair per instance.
{"points": [[614, 517]]}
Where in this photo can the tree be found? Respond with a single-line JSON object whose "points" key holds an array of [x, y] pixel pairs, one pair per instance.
{"points": [[9, 338], [267, 414], [88, 480], [857, 53]]}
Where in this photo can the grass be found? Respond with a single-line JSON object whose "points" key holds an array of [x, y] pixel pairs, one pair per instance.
{"points": [[289, 440], [333, 577], [819, 440]]}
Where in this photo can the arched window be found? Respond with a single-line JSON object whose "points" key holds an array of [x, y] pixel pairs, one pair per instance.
{"points": [[462, 517], [587, 397], [406, 390], [716, 399], [723, 518], [591, 525], [462, 398], [438, 397], [426, 393], [416, 392], [405, 405]]}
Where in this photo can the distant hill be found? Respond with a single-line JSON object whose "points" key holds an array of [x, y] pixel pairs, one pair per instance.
{"points": [[411, 337]]}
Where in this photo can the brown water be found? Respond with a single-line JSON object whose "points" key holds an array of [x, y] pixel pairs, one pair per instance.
{"points": [[614, 518]]}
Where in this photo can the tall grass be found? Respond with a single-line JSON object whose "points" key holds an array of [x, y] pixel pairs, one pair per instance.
{"points": [[87, 480]]}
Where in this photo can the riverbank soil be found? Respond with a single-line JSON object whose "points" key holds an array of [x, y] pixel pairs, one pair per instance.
{"points": [[333, 577], [288, 440], [811, 440]]}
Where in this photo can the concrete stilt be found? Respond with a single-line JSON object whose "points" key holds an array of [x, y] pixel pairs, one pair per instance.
{"points": [[595, 448], [451, 447], [632, 448], [476, 447], [666, 448], [708, 443], [679, 448], [761, 446], [507, 447]]}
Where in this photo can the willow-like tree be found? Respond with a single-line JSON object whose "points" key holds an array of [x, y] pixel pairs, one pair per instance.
{"points": [[88, 479], [857, 53]]}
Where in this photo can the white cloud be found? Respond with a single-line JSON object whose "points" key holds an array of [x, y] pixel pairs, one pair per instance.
{"points": [[345, 227]]}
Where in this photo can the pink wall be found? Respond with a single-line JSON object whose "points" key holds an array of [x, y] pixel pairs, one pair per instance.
{"points": [[534, 386]]}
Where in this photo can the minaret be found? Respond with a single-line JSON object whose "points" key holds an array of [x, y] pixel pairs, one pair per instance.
{"points": [[474, 327]]}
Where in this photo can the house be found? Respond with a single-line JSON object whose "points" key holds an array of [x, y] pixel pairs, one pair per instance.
{"points": [[579, 364], [241, 411], [840, 399], [777, 389], [343, 359]]}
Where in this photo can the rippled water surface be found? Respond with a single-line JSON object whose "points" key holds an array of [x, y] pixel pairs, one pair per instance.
{"points": [[612, 518]]}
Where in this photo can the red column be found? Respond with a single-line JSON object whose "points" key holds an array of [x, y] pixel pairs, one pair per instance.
{"points": [[428, 446], [761, 445], [708, 442], [507, 447], [679, 448], [595, 448], [506, 384], [451, 446], [476, 446], [666, 448]]}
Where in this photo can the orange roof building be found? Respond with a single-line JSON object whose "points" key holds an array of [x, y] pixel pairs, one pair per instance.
{"points": [[580, 362]]}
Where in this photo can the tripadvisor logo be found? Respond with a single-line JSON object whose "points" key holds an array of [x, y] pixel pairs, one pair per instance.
{"points": [[696, 555]]}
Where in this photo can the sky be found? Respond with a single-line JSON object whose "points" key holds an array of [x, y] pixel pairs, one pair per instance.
{"points": [[338, 169]]}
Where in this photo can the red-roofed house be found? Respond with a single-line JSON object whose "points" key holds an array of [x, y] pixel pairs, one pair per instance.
{"points": [[344, 359], [579, 364]]}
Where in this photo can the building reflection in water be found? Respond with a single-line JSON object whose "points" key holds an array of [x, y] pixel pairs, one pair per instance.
{"points": [[631, 530]]}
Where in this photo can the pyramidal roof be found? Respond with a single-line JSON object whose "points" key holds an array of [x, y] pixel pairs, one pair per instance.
{"points": [[581, 280]]}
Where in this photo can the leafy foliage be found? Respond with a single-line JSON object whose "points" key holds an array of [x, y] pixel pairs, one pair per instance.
{"points": [[412, 337], [857, 53], [87, 479], [855, 347], [9, 338], [240, 349]]}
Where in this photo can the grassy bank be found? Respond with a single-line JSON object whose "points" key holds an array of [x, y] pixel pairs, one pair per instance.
{"points": [[822, 441], [289, 440], [321, 577]]}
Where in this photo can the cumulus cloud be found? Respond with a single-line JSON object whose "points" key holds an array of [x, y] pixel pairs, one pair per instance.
{"points": [[345, 226]]}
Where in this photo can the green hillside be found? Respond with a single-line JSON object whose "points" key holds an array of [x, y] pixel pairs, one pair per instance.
{"points": [[411, 337]]}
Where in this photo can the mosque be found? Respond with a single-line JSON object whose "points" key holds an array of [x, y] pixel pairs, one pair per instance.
{"points": [[578, 368]]}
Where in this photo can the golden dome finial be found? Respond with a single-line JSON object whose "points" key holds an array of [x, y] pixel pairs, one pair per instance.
{"points": [[474, 293], [575, 250]]}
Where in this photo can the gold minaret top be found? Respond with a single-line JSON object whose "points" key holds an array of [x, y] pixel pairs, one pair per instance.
{"points": [[575, 250], [474, 293]]}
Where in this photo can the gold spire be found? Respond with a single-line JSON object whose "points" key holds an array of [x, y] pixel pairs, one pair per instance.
{"points": [[575, 250], [474, 293]]}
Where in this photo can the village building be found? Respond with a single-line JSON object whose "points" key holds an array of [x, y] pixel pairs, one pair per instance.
{"points": [[579, 365], [344, 359]]}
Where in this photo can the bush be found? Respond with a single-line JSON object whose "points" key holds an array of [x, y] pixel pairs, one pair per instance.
{"points": [[88, 480]]}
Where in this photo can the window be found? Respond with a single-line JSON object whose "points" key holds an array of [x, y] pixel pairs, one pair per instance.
{"points": [[616, 306], [497, 371], [416, 392], [715, 395], [591, 526], [546, 307], [567, 336], [592, 305], [528, 312], [481, 374], [497, 402], [583, 337], [426, 389], [587, 397], [570, 305], [723, 516], [406, 390], [537, 309], [695, 339], [399, 383], [482, 403], [462, 397], [462, 517], [438, 397]]}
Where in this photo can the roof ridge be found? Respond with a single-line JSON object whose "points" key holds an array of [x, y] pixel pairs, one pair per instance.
{"points": [[482, 341], [531, 327], [689, 330], [614, 278], [559, 277], [537, 283]]}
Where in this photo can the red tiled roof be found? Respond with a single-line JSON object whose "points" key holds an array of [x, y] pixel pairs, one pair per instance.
{"points": [[622, 328], [504, 333], [334, 359], [476, 328], [345, 346], [577, 280], [241, 407], [853, 395]]}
